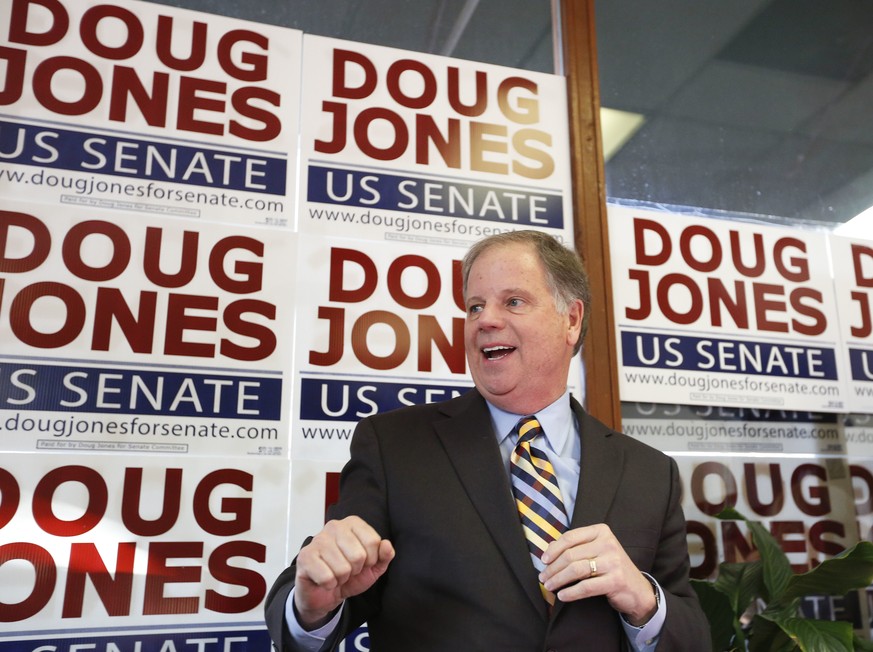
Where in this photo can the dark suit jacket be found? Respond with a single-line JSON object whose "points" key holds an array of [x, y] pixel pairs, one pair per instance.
{"points": [[431, 479]]}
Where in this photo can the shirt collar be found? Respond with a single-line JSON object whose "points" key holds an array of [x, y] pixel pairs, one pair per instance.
{"points": [[556, 420]]}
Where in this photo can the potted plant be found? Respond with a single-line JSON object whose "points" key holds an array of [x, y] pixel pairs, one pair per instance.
{"points": [[755, 605]]}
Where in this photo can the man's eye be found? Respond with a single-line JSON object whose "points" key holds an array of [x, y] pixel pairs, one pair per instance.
{"points": [[474, 309], [513, 303]]}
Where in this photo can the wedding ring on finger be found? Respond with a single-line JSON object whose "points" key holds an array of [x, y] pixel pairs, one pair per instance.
{"points": [[592, 566]]}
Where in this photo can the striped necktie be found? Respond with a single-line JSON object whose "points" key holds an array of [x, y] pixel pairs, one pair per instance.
{"points": [[537, 495]]}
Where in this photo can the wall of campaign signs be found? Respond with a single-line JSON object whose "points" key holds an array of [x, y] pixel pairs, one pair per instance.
{"points": [[223, 243]]}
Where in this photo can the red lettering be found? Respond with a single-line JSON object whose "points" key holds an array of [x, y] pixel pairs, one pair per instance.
{"points": [[751, 481], [239, 508], [449, 147], [799, 267], [645, 308], [10, 497], [178, 322], [256, 70], [192, 102], [819, 321], [43, 497], [688, 252], [862, 480], [395, 89], [431, 290], [265, 338], [641, 228], [240, 101], [42, 239], [757, 268], [818, 502], [341, 59], [695, 308], [781, 531], [430, 333], [152, 106], [18, 20], [336, 344], [43, 585], [737, 307], [187, 264], [859, 253], [114, 593], [338, 258], [706, 537], [13, 85], [43, 89], [72, 250], [729, 487], [133, 494], [159, 573], [250, 273], [360, 345], [221, 569], [164, 42], [763, 305], [22, 308], [395, 134], [137, 330], [133, 32], [480, 103]]}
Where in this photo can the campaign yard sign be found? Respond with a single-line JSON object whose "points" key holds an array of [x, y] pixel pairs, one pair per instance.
{"points": [[719, 312], [163, 335], [144, 108], [420, 148]]}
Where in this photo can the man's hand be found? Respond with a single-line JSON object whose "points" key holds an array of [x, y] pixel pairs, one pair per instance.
{"points": [[572, 557], [344, 559]]}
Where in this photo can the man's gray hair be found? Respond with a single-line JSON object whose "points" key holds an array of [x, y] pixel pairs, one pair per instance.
{"points": [[565, 273]]}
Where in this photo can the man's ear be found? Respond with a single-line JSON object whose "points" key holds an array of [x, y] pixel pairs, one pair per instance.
{"points": [[575, 312]]}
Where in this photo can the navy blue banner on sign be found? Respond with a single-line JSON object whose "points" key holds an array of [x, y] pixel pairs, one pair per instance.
{"points": [[136, 158], [758, 358], [138, 391], [329, 399], [862, 364], [379, 190], [204, 640]]}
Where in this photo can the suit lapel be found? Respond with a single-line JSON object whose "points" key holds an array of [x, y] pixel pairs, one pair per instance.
{"points": [[600, 475], [469, 440], [600, 472]]}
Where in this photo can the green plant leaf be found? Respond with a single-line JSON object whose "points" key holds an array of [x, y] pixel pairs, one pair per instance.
{"points": [[767, 636], [777, 568], [730, 514], [851, 569], [717, 607], [862, 645], [741, 582], [819, 635]]}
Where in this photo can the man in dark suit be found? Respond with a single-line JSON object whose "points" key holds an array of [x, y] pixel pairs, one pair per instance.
{"points": [[426, 543]]}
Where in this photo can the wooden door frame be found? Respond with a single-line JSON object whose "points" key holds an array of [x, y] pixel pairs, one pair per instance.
{"points": [[575, 26]]}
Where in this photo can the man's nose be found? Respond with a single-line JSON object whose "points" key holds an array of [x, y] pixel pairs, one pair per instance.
{"points": [[490, 317]]}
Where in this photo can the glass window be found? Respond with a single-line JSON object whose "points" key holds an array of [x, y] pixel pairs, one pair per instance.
{"points": [[516, 33], [757, 107]]}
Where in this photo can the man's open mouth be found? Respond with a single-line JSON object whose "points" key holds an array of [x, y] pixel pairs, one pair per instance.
{"points": [[497, 352]]}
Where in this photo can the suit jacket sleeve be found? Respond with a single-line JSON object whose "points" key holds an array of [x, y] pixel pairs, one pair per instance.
{"points": [[366, 499], [685, 627]]}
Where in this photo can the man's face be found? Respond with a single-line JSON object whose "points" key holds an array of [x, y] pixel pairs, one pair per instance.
{"points": [[518, 345]]}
